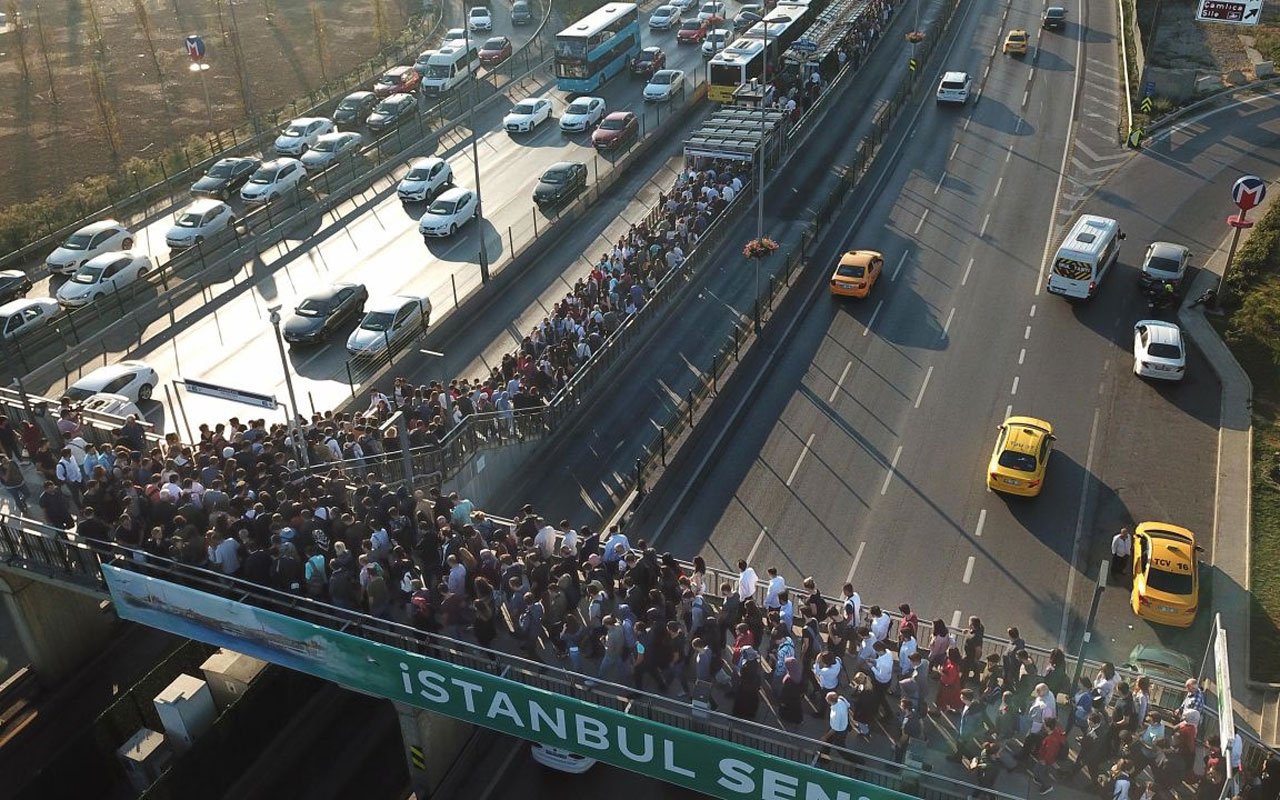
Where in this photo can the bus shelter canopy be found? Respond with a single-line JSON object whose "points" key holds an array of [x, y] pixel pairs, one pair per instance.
{"points": [[735, 133]]}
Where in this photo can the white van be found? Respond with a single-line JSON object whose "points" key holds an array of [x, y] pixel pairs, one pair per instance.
{"points": [[1084, 257], [448, 67]]}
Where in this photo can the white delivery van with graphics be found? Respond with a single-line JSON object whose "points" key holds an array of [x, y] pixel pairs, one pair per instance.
{"points": [[1089, 250]]}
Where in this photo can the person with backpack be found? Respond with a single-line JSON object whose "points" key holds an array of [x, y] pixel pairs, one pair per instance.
{"points": [[315, 575], [286, 570], [421, 613]]}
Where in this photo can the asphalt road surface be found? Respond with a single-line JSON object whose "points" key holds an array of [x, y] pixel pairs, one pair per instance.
{"points": [[375, 242]]}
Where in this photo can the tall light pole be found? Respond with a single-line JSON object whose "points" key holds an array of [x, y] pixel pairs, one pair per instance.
{"points": [[764, 88], [288, 383], [475, 157]]}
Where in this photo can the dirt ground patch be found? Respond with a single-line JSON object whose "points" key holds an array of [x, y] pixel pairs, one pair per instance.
{"points": [[51, 128], [1182, 43]]}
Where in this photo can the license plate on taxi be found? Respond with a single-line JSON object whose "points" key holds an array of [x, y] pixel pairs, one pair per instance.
{"points": [[1168, 609], [1011, 481]]}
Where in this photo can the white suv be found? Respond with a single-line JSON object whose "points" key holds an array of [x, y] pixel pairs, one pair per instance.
{"points": [[954, 88]]}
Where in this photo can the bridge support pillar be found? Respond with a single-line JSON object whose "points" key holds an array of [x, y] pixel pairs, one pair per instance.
{"points": [[58, 629], [432, 744]]}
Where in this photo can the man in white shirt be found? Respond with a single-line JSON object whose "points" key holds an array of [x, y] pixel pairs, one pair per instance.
{"points": [[746, 581], [1121, 549], [775, 587], [827, 669], [905, 650], [457, 578], [68, 473], [570, 537], [837, 720], [882, 676], [852, 605], [879, 624], [545, 540]]}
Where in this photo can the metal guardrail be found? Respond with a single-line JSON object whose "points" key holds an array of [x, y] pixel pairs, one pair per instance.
{"points": [[39, 548]]}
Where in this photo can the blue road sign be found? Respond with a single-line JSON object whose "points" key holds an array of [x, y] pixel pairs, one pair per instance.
{"points": [[195, 47], [1149, 89], [805, 45]]}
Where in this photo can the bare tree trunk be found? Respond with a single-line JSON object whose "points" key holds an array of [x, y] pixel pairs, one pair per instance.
{"points": [[144, 23], [322, 42], [19, 37], [95, 33], [380, 22], [44, 54], [222, 26], [107, 114]]}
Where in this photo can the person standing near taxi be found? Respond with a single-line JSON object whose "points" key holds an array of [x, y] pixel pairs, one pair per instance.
{"points": [[1121, 551]]}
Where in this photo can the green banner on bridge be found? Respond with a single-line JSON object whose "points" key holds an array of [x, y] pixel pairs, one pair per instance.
{"points": [[701, 763]]}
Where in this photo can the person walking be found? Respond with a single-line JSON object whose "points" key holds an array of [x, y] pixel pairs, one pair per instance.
{"points": [[15, 483], [69, 474], [1121, 550], [746, 698], [910, 726], [837, 732], [949, 682], [1051, 747]]}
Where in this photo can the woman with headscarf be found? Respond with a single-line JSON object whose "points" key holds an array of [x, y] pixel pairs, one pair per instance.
{"points": [[790, 710]]}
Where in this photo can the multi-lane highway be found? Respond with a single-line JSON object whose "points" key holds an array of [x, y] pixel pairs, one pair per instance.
{"points": [[862, 452], [374, 240]]}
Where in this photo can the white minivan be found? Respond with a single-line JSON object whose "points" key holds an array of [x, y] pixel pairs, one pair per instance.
{"points": [[448, 67], [1084, 257]]}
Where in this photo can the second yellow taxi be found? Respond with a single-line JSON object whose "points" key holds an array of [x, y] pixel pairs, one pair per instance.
{"points": [[1166, 579], [1016, 43], [856, 273], [1021, 454]]}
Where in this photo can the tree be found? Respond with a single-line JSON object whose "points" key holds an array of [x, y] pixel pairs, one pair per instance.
{"points": [[44, 54], [19, 37], [95, 33], [106, 112], [380, 22], [322, 42], [144, 24]]}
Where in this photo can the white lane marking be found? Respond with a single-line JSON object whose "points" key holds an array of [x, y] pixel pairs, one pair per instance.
{"points": [[856, 558], [1008, 154], [955, 619], [946, 326], [898, 268], [1025, 96], [800, 459], [999, 183], [941, 178], [844, 374], [985, 220], [1066, 154], [982, 520], [1014, 390], [968, 267], [953, 151], [1026, 334], [968, 570], [1008, 411], [872, 321], [927, 375], [1079, 535], [966, 123], [893, 466], [1033, 309], [1022, 355], [752, 555], [923, 217]]}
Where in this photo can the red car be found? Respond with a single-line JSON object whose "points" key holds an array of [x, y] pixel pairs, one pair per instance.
{"points": [[397, 79], [693, 31], [648, 61], [495, 51], [615, 130]]}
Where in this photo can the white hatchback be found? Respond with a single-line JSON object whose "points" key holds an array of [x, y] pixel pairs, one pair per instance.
{"points": [[132, 379], [203, 219], [448, 212], [426, 178], [103, 275], [1158, 351], [94, 239], [273, 179]]}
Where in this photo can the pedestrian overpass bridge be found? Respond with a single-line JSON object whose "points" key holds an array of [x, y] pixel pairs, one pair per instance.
{"points": [[666, 738]]}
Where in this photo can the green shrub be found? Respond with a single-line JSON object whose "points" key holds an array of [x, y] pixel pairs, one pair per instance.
{"points": [[1259, 255]]}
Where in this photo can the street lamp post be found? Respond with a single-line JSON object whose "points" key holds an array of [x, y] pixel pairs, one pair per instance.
{"points": [[475, 160], [294, 427], [1098, 588], [764, 88]]}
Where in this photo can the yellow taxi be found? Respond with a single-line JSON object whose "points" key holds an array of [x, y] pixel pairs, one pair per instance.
{"points": [[1016, 42], [1166, 579], [856, 273], [1021, 454]]}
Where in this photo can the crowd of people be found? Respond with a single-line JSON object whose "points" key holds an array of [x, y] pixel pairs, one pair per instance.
{"points": [[237, 503]]}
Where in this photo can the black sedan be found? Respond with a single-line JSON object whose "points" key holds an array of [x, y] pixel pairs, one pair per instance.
{"points": [[561, 181], [13, 284], [225, 178], [355, 108], [393, 112], [319, 314]]}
